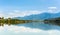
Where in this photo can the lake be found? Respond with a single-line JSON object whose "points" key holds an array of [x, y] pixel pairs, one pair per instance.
{"points": [[39, 28]]}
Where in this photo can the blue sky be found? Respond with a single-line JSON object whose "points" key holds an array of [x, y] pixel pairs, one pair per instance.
{"points": [[28, 4], [8, 7]]}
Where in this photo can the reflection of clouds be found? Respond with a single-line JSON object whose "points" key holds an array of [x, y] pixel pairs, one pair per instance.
{"points": [[20, 30], [1, 28]]}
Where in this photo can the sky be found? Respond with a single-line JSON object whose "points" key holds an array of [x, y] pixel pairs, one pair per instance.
{"points": [[14, 8]]}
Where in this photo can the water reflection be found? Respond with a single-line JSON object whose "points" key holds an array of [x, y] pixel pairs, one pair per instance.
{"points": [[38, 25], [41, 25]]}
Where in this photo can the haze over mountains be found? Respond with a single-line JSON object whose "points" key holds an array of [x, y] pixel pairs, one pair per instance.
{"points": [[40, 16]]}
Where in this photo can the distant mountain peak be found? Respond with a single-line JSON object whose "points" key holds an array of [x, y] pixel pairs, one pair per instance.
{"points": [[40, 16]]}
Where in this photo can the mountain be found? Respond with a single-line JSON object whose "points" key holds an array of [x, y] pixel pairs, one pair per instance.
{"points": [[40, 16]]}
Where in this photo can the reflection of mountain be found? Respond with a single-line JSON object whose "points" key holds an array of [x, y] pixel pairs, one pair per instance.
{"points": [[40, 16], [40, 26]]}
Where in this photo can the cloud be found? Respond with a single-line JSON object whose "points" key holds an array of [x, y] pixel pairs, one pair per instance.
{"points": [[23, 13], [2, 14], [52, 7], [53, 10], [32, 12], [16, 13]]}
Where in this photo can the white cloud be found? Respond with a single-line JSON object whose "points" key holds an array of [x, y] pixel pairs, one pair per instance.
{"points": [[1, 13], [16, 13], [27, 13], [52, 7], [53, 10], [22, 14]]}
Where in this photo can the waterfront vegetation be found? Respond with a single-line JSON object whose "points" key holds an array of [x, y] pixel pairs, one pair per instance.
{"points": [[10, 21], [53, 21]]}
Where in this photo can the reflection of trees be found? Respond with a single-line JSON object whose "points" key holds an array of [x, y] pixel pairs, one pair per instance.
{"points": [[10, 21], [55, 21]]}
